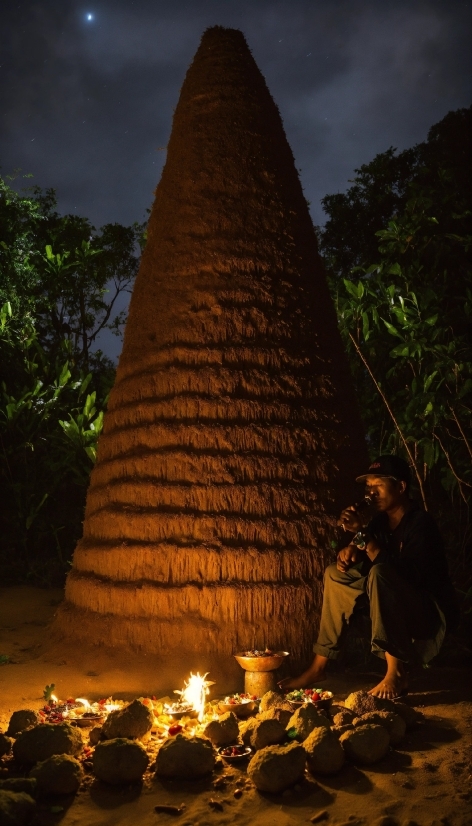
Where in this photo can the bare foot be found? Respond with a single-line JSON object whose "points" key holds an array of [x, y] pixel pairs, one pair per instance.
{"points": [[311, 677], [395, 681]]}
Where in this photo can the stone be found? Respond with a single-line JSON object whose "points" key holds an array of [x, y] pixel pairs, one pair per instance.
{"points": [[19, 784], [133, 722], [343, 718], [184, 757], [338, 730], [305, 719], [60, 774], [324, 753], [409, 714], [365, 744], [281, 714], [120, 760], [95, 735], [41, 742], [246, 728], [20, 720], [276, 768], [272, 699], [223, 731], [361, 702], [16, 808], [393, 723], [266, 733], [5, 745]]}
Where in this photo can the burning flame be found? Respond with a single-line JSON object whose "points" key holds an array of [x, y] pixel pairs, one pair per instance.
{"points": [[54, 698], [84, 702], [195, 690], [111, 707]]}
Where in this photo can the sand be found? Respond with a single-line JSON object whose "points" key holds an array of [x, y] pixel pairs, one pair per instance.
{"points": [[427, 780]]}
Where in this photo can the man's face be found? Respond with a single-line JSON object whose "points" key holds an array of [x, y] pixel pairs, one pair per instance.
{"points": [[385, 493]]}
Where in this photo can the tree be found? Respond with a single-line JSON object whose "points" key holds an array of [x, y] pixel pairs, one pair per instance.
{"points": [[59, 282], [402, 289]]}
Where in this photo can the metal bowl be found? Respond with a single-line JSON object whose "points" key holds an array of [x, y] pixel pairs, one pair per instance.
{"points": [[239, 709], [261, 663], [326, 703], [88, 720], [237, 757], [178, 715]]}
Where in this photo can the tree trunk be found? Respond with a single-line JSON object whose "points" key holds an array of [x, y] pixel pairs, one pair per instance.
{"points": [[232, 435]]}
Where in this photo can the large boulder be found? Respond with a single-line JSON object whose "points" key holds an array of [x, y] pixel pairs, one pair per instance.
{"points": [[5, 744], [393, 723], [133, 722], [276, 768], [365, 744], [223, 731], [22, 719], [60, 774], [16, 808], [266, 733], [305, 719], [120, 761], [43, 741], [187, 758], [324, 753]]}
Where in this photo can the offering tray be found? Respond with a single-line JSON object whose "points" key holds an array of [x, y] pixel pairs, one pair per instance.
{"points": [[324, 701], [261, 662], [244, 753], [241, 706]]}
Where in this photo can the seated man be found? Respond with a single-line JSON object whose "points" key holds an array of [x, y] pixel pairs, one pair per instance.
{"points": [[398, 561]]}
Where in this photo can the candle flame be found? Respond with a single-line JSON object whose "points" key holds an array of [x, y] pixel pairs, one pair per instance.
{"points": [[195, 691], [54, 698], [111, 707], [82, 701]]}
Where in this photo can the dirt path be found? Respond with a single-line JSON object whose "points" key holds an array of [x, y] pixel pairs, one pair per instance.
{"points": [[426, 781]]}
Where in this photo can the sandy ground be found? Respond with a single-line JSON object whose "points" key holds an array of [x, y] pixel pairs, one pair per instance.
{"points": [[426, 781]]}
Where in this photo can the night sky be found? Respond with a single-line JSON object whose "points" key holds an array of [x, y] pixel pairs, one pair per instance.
{"points": [[88, 89]]}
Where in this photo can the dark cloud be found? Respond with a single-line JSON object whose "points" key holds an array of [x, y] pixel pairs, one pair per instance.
{"points": [[85, 105]]}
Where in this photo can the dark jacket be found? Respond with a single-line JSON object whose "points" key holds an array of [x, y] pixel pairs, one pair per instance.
{"points": [[416, 549]]}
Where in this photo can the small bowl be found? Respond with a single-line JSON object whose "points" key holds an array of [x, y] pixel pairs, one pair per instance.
{"points": [[237, 757], [178, 715], [326, 703], [269, 663], [239, 709], [87, 721]]}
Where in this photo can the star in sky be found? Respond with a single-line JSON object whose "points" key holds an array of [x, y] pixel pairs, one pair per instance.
{"points": [[89, 17]]}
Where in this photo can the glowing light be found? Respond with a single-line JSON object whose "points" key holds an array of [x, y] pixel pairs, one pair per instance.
{"points": [[89, 17], [194, 693], [111, 706], [54, 698], [82, 701]]}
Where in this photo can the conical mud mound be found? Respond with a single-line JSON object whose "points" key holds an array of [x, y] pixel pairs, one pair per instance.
{"points": [[231, 435]]}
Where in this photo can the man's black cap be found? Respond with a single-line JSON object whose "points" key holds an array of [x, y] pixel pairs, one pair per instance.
{"points": [[392, 466]]}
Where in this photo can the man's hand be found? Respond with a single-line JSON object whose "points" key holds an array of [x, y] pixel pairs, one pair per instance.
{"points": [[346, 557], [350, 520]]}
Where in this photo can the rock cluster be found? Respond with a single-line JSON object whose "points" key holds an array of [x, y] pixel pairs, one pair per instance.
{"points": [[266, 733], [276, 768], [393, 723], [305, 719], [365, 744], [16, 808]]}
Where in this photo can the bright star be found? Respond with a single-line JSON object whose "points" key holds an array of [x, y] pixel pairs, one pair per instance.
{"points": [[90, 17]]}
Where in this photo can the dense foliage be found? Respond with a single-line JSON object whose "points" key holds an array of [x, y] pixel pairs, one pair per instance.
{"points": [[396, 247], [59, 284]]}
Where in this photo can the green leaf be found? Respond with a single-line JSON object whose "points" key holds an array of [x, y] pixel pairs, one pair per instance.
{"points": [[394, 269], [391, 329], [350, 287]]}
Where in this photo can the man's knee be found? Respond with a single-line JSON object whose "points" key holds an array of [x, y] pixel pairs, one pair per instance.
{"points": [[382, 573], [332, 573]]}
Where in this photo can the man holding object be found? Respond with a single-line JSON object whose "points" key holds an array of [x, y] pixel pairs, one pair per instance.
{"points": [[398, 563]]}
